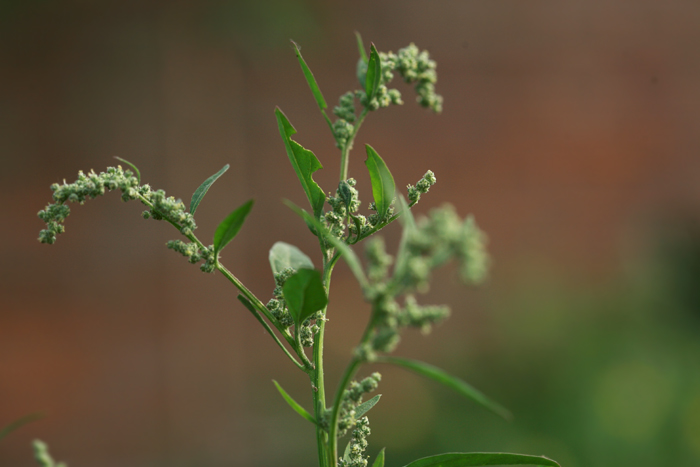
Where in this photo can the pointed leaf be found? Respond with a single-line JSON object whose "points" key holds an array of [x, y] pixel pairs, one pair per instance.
{"points": [[304, 294], [304, 162], [361, 47], [348, 255], [136, 170], [383, 186], [436, 374], [346, 454], [230, 226], [374, 73], [474, 459], [310, 79], [294, 405], [203, 188], [283, 255], [19, 423], [366, 406], [379, 461]]}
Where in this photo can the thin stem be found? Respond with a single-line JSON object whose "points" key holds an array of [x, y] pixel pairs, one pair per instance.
{"points": [[333, 420], [344, 159]]}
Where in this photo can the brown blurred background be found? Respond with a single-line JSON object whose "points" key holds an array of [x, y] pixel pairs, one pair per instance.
{"points": [[570, 130]]}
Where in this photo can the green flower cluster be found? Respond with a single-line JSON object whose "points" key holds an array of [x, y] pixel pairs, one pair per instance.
{"points": [[344, 205], [277, 307], [415, 66], [92, 185], [42, 456], [421, 187], [352, 398], [194, 253], [355, 455], [427, 245]]}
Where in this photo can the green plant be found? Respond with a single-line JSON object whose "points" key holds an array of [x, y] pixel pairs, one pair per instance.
{"points": [[296, 315]]}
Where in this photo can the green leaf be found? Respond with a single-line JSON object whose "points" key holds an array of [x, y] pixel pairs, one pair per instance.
{"points": [[473, 459], [310, 79], [383, 186], [361, 47], [366, 406], [294, 405], [436, 374], [230, 226], [408, 223], [283, 255], [203, 188], [379, 461], [304, 162], [374, 73], [304, 294], [346, 454], [136, 170], [20, 422], [348, 255]]}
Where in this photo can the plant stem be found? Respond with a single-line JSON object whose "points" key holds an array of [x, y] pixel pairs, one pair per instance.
{"points": [[333, 420], [344, 159]]}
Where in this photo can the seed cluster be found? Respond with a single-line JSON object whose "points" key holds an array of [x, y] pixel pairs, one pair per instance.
{"points": [[278, 308]]}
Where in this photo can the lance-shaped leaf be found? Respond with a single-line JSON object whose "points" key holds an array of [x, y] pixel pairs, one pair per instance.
{"points": [[346, 252], [315, 90], [366, 406], [304, 162], [19, 423], [379, 461], [203, 188], [436, 374], [230, 226], [361, 47], [136, 169], [294, 405], [374, 73], [475, 459], [383, 186], [304, 294], [283, 256]]}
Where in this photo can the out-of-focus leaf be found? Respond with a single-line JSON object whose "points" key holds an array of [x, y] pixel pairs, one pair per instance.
{"points": [[203, 188], [361, 47], [374, 73], [379, 461], [346, 454], [283, 255], [436, 374], [475, 459], [20, 422], [345, 251], [229, 227], [383, 186], [304, 294], [310, 79], [293, 404], [136, 169], [366, 406], [304, 162]]}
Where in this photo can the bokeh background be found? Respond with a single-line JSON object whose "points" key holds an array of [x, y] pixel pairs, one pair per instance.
{"points": [[570, 130]]}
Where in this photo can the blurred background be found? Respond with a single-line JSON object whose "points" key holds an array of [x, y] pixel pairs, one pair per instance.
{"points": [[570, 131]]}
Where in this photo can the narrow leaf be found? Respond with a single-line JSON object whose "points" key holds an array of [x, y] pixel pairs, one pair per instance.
{"points": [[379, 461], [374, 73], [304, 162], [304, 294], [294, 405], [366, 406], [348, 255], [474, 459], [436, 374], [203, 188], [283, 255], [136, 170], [230, 226], [346, 454], [20, 422], [310, 79], [383, 186], [361, 47]]}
